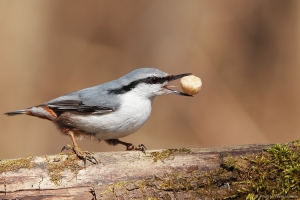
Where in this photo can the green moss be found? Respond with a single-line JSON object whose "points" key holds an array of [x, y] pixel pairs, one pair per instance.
{"points": [[229, 162], [272, 173], [165, 154], [59, 165], [277, 170], [12, 165]]}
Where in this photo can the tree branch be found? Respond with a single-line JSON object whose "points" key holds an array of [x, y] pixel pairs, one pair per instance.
{"points": [[159, 174]]}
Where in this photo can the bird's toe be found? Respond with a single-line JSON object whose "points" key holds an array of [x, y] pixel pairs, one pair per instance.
{"points": [[82, 155]]}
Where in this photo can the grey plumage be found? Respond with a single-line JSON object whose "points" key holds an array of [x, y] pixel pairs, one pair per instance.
{"points": [[95, 99], [107, 111]]}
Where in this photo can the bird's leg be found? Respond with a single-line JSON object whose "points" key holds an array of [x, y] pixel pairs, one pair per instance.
{"points": [[83, 155], [129, 146]]}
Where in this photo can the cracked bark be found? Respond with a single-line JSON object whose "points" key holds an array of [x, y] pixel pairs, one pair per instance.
{"points": [[119, 175]]}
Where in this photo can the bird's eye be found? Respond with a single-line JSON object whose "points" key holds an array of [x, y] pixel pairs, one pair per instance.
{"points": [[154, 79]]}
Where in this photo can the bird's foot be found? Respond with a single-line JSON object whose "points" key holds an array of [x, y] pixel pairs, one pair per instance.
{"points": [[83, 155], [129, 146], [140, 147]]}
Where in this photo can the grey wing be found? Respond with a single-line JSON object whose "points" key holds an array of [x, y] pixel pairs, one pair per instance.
{"points": [[81, 103]]}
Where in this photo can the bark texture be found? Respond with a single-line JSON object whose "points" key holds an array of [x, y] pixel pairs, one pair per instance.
{"points": [[158, 174]]}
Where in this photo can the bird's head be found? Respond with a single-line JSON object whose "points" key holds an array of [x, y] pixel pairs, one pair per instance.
{"points": [[147, 82]]}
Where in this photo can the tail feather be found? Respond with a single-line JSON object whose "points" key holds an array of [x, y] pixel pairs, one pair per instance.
{"points": [[36, 111], [16, 112]]}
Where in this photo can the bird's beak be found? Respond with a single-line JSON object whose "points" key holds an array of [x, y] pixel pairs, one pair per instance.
{"points": [[175, 77]]}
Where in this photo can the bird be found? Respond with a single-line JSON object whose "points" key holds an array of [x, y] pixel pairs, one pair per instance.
{"points": [[108, 111]]}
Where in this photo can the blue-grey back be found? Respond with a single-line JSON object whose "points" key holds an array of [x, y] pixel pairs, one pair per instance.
{"points": [[99, 96]]}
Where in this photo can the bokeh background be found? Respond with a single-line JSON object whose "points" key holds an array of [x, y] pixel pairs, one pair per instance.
{"points": [[246, 53]]}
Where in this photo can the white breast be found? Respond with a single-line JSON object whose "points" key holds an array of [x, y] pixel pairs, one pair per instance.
{"points": [[132, 114]]}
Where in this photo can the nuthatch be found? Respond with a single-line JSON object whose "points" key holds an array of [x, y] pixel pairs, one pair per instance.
{"points": [[107, 111]]}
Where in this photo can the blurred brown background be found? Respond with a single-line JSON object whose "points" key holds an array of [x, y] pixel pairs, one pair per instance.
{"points": [[246, 53]]}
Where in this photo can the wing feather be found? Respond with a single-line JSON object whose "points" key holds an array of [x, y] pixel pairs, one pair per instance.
{"points": [[76, 104]]}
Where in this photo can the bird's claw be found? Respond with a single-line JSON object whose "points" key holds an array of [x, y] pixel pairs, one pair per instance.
{"points": [[67, 147], [83, 155], [140, 147]]}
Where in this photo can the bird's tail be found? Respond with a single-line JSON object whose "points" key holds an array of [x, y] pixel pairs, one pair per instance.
{"points": [[38, 111], [16, 112]]}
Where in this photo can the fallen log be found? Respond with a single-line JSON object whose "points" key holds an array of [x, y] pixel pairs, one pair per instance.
{"points": [[219, 173]]}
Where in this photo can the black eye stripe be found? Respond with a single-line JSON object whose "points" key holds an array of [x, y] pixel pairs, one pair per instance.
{"points": [[133, 84], [155, 80]]}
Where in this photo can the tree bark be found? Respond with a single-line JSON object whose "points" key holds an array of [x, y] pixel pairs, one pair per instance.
{"points": [[158, 174]]}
